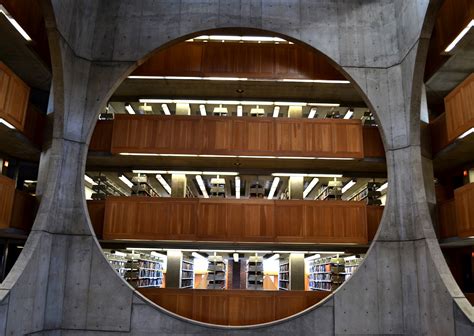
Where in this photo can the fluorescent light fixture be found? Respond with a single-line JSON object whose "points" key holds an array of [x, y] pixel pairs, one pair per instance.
{"points": [[129, 109], [197, 255], [383, 187], [155, 101], [30, 181], [335, 158], [165, 108], [220, 173], [15, 24], [125, 180], [320, 81], [349, 185], [310, 187], [315, 256], [237, 187], [306, 175], [163, 183], [251, 102], [240, 111], [120, 254], [157, 255], [225, 78], [459, 37], [188, 101], [324, 104], [312, 113], [89, 180], [180, 155], [276, 111], [274, 257], [256, 157], [140, 154], [6, 123], [348, 114], [296, 157], [217, 156], [465, 134], [290, 103], [223, 37], [202, 186], [185, 172], [183, 77], [146, 77], [202, 110], [145, 171], [223, 102], [275, 182], [262, 39], [236, 257]]}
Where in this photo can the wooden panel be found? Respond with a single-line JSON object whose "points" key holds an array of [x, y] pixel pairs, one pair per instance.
{"points": [[464, 199], [229, 59], [183, 219], [460, 109], [447, 219], [233, 307], [153, 218], [13, 105], [347, 139], [120, 218], [216, 132], [212, 220], [35, 125], [24, 211], [290, 137], [289, 220], [101, 140], [187, 135], [373, 146], [96, 214], [439, 133], [7, 196], [374, 217], [318, 137]]}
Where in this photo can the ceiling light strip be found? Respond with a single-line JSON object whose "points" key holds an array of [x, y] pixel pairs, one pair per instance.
{"points": [[164, 184], [202, 186], [310, 187], [273, 188]]}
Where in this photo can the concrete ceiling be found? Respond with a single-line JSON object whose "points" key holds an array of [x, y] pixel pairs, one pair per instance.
{"points": [[15, 144], [457, 68]]}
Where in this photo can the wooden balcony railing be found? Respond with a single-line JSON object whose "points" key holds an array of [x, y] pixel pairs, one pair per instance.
{"points": [[235, 136], [456, 216], [459, 109], [233, 307], [17, 208], [254, 220]]}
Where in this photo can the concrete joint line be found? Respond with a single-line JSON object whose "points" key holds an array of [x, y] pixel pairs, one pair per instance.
{"points": [[64, 234], [398, 240], [70, 140], [401, 148]]}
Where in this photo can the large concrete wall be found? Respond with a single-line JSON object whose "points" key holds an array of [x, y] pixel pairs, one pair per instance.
{"points": [[62, 284]]}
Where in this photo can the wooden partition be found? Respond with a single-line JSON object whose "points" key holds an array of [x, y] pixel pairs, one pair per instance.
{"points": [[7, 196], [460, 108], [374, 217], [439, 133], [447, 220], [233, 307], [237, 136], [101, 140], [373, 146], [14, 95], [96, 213], [464, 199], [194, 219]]}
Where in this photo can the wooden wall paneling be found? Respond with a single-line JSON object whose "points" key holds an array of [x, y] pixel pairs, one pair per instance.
{"points": [[459, 108], [211, 307], [97, 215], [247, 308], [101, 140], [212, 220], [153, 218], [187, 133], [258, 222], [439, 133], [7, 196], [347, 139], [464, 198], [447, 219], [17, 102], [183, 219], [374, 217], [289, 137], [373, 146], [351, 223], [217, 135], [319, 223], [318, 139], [23, 211], [5, 78], [236, 221], [289, 220], [260, 137], [120, 218]]}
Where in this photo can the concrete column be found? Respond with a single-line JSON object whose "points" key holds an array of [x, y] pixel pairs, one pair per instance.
{"points": [[297, 271], [183, 109], [295, 112], [173, 268], [295, 187], [178, 185]]}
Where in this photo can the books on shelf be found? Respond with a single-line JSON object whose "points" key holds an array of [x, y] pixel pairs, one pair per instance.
{"points": [[216, 273], [255, 273], [144, 271], [284, 275], [187, 273], [350, 266], [327, 274]]}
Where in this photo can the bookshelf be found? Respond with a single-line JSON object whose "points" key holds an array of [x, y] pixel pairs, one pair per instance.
{"points": [[326, 274], [284, 275], [350, 266], [117, 262], [216, 273], [144, 271], [187, 273], [255, 273]]}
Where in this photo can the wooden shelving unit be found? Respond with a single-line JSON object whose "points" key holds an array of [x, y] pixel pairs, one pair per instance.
{"points": [[216, 273], [255, 273]]}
